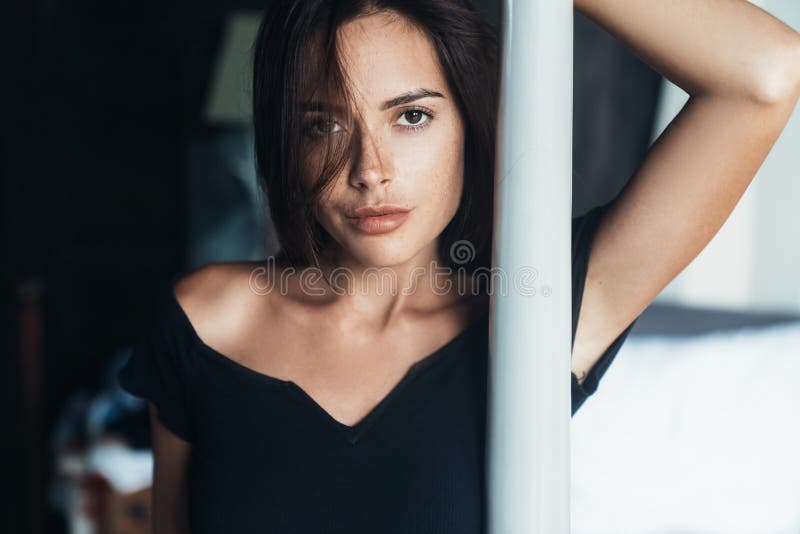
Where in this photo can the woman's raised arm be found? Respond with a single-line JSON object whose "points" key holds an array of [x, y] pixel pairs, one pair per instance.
{"points": [[741, 68], [707, 47]]}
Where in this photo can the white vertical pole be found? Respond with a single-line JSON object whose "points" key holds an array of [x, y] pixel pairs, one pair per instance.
{"points": [[529, 379]]}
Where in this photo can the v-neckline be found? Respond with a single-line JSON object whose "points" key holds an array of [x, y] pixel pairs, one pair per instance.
{"points": [[351, 433]]}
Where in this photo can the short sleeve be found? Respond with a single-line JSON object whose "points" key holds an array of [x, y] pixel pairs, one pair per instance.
{"points": [[583, 231], [158, 368]]}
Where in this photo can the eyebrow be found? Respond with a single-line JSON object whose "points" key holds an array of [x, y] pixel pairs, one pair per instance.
{"points": [[399, 100]]}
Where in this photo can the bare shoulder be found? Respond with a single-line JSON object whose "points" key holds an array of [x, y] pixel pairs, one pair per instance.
{"points": [[213, 283], [221, 299]]}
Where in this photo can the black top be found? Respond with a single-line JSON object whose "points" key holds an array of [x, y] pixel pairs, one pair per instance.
{"points": [[267, 458]]}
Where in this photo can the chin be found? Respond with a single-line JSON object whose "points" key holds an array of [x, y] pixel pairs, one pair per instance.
{"points": [[388, 253], [382, 258], [378, 251]]}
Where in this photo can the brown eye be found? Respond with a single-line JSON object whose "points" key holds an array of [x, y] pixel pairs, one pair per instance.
{"points": [[322, 127], [416, 118]]}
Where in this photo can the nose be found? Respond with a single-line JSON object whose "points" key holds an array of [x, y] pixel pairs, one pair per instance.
{"points": [[372, 166]]}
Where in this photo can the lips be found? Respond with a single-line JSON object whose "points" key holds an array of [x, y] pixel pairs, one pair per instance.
{"points": [[378, 219], [373, 211]]}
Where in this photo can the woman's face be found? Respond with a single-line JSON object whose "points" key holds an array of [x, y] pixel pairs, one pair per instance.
{"points": [[408, 145]]}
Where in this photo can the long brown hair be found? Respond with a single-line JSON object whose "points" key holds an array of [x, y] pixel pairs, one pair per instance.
{"points": [[296, 47]]}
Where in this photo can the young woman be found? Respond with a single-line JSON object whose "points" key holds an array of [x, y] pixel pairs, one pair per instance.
{"points": [[302, 393]]}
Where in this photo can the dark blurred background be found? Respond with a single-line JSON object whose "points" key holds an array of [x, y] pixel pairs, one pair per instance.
{"points": [[123, 165]]}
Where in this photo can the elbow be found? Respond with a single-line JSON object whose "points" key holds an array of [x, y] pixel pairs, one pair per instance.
{"points": [[778, 79]]}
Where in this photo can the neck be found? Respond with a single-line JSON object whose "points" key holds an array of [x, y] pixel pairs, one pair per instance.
{"points": [[381, 293]]}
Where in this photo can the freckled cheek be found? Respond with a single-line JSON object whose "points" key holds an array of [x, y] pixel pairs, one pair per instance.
{"points": [[437, 173], [456, 170]]}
